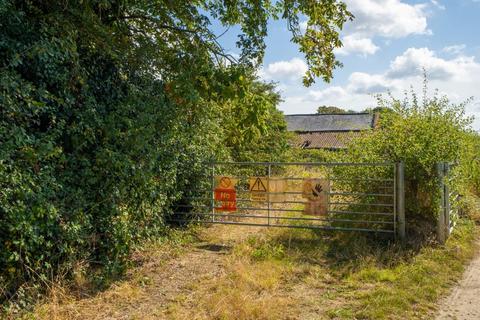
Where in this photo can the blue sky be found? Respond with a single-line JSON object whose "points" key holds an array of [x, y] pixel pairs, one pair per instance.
{"points": [[385, 48]]}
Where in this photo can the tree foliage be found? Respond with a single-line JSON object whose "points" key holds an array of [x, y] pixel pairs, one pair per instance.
{"points": [[332, 109], [108, 110], [253, 128]]}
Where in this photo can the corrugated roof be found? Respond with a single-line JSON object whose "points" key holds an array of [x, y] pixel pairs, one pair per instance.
{"points": [[325, 140], [330, 122]]}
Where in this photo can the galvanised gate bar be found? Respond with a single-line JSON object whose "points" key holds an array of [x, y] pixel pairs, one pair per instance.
{"points": [[366, 197]]}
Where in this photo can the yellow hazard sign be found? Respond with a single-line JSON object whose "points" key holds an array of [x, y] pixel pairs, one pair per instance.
{"points": [[276, 187], [258, 187]]}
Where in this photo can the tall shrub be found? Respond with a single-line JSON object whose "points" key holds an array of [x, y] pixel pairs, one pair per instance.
{"points": [[109, 110], [420, 131]]}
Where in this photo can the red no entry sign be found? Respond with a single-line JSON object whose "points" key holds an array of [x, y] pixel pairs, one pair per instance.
{"points": [[227, 198]]}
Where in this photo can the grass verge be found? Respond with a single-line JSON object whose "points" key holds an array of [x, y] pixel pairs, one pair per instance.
{"points": [[410, 288], [278, 274], [300, 274]]}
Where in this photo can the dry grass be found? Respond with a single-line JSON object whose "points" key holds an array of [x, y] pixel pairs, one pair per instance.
{"points": [[248, 273], [82, 299], [297, 274], [64, 306], [246, 292]]}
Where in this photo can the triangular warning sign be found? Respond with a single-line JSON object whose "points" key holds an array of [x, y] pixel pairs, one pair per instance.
{"points": [[258, 186]]}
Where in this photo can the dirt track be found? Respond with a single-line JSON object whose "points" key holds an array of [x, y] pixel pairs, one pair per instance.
{"points": [[464, 300], [166, 282], [170, 285]]}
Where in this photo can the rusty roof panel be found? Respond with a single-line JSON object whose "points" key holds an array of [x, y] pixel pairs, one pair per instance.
{"points": [[325, 140]]}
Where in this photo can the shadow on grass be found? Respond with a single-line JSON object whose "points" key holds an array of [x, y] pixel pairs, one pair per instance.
{"points": [[341, 252]]}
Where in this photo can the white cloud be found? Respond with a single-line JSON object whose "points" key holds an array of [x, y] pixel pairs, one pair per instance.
{"points": [[412, 63], [329, 93], [365, 83], [387, 18], [354, 44], [292, 69], [457, 77], [414, 60], [437, 4], [298, 104], [454, 49]]}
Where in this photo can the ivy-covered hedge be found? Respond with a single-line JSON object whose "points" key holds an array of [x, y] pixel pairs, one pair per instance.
{"points": [[89, 162], [101, 131]]}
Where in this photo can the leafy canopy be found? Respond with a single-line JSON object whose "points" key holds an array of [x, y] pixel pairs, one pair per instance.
{"points": [[109, 110], [332, 109], [421, 131]]}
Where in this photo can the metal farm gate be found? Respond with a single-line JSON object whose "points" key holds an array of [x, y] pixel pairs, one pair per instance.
{"points": [[367, 197]]}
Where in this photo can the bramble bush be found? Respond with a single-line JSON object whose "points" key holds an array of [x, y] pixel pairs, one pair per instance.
{"points": [[421, 132]]}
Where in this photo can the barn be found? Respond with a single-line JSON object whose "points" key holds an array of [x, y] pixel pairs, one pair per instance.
{"points": [[329, 131]]}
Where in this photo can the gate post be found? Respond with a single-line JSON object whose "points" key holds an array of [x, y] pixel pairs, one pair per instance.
{"points": [[268, 191], [441, 209], [400, 199]]}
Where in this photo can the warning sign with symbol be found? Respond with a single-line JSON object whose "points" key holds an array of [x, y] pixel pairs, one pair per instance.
{"points": [[316, 191], [226, 194], [225, 182], [258, 188]]}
